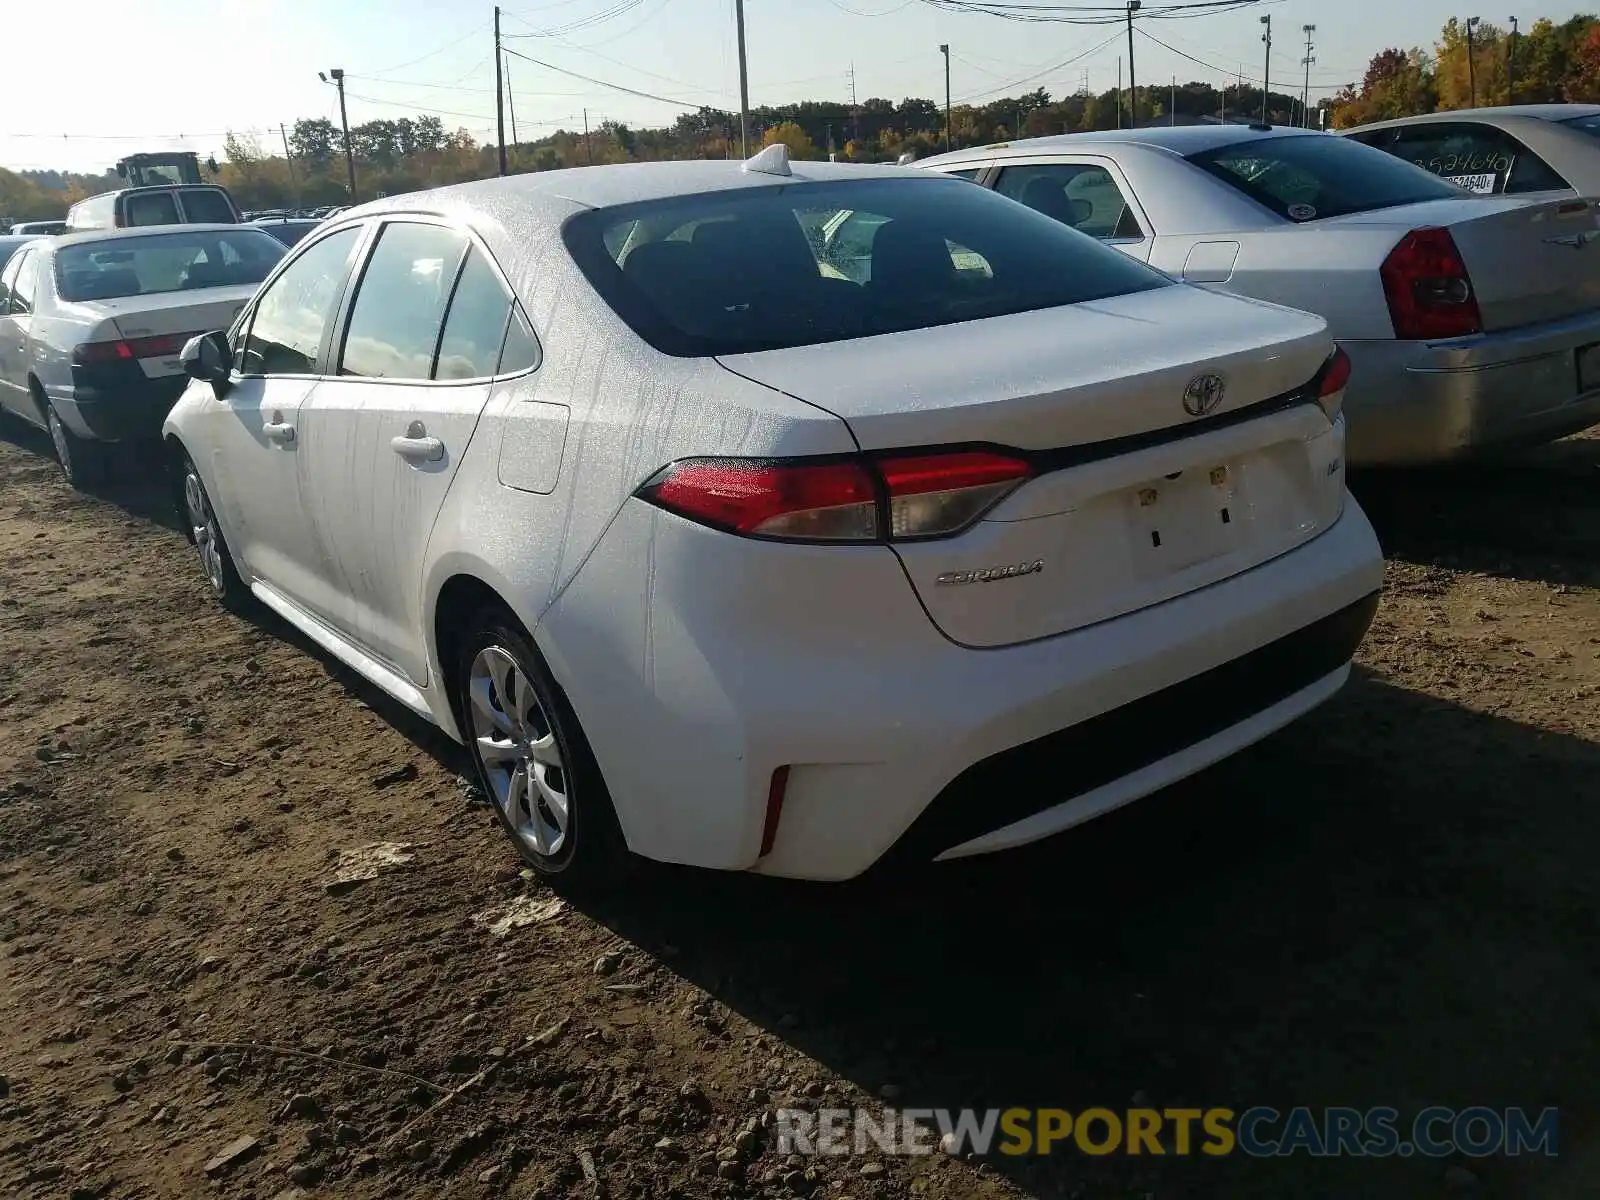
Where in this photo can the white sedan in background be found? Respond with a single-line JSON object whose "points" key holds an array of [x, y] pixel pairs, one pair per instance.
{"points": [[715, 556], [1472, 323], [92, 325]]}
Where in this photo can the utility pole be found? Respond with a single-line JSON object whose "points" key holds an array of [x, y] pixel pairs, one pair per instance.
{"points": [[588, 146], [744, 82], [283, 132], [1119, 91], [344, 124], [855, 109], [1511, 64], [1266, 68], [499, 103], [1172, 107], [1133, 88], [1223, 117], [1472, 70], [948, 143], [1305, 92]]}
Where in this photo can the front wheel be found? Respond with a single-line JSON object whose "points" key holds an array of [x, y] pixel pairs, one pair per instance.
{"points": [[205, 534], [83, 462], [532, 758]]}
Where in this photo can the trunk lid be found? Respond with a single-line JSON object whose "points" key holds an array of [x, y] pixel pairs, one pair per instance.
{"points": [[164, 321], [1529, 260], [1135, 500]]}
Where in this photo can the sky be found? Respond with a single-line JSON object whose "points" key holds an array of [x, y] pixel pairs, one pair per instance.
{"points": [[183, 73]]}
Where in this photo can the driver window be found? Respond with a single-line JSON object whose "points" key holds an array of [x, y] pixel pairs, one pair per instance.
{"points": [[292, 315]]}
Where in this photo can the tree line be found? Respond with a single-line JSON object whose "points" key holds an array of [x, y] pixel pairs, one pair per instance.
{"points": [[1547, 63]]}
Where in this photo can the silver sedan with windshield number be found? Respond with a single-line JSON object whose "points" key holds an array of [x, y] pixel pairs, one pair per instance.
{"points": [[1515, 150], [1472, 322]]}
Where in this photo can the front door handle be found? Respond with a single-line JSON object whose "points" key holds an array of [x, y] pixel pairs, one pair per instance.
{"points": [[279, 431]]}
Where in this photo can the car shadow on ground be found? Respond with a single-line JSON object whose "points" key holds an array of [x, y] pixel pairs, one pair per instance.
{"points": [[1530, 515], [1322, 920]]}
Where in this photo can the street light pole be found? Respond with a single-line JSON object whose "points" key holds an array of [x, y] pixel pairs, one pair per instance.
{"points": [[948, 143], [499, 92], [1133, 89], [1472, 70], [344, 124], [1511, 64], [1266, 67], [1305, 92]]}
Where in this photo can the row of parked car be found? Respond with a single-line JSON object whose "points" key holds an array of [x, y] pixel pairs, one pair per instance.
{"points": [[741, 515]]}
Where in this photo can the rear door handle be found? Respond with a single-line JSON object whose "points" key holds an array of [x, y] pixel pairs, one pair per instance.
{"points": [[418, 449], [279, 431]]}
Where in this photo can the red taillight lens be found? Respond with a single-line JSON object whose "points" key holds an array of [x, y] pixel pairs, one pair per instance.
{"points": [[927, 495], [817, 501], [1332, 380], [163, 346], [102, 352], [937, 494], [1430, 294]]}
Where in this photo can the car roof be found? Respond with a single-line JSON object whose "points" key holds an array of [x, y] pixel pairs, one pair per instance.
{"points": [[625, 183], [1542, 112], [10, 241], [107, 235], [1179, 139]]}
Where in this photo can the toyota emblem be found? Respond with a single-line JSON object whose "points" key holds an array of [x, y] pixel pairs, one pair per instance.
{"points": [[1203, 394]]}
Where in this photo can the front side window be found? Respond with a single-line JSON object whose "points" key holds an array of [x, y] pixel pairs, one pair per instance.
{"points": [[152, 208], [292, 316], [1310, 177], [148, 264], [24, 289], [1081, 195], [399, 308], [807, 263]]}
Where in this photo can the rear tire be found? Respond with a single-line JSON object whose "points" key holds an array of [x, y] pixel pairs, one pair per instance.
{"points": [[205, 534], [532, 759], [83, 462]]}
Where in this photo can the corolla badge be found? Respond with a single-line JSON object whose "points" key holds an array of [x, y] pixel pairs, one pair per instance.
{"points": [[990, 574], [1203, 394]]}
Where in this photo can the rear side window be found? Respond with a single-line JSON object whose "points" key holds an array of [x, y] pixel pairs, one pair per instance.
{"points": [[25, 287], [1479, 158], [1081, 195], [801, 264], [152, 208], [1312, 176], [206, 206], [292, 315], [475, 329], [399, 308], [521, 349]]}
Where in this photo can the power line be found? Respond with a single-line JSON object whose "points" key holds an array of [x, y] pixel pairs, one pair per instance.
{"points": [[474, 32], [1230, 72], [1050, 70], [615, 87], [1096, 14]]}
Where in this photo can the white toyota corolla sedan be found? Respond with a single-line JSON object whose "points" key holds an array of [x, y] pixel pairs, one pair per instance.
{"points": [[720, 553]]}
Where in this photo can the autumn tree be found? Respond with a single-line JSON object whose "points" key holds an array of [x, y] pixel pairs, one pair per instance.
{"points": [[791, 135]]}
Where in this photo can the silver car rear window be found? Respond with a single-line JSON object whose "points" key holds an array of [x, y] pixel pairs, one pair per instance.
{"points": [[164, 262], [1306, 178], [799, 264]]}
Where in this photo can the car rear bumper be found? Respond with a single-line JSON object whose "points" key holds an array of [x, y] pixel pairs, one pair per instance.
{"points": [[1420, 402], [745, 668], [116, 412]]}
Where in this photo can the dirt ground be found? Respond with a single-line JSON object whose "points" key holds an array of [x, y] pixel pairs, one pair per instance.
{"points": [[1393, 902]]}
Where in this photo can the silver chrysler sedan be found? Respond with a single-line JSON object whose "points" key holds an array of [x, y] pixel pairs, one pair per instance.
{"points": [[1472, 322]]}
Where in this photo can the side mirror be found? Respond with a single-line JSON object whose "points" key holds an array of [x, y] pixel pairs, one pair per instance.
{"points": [[208, 357]]}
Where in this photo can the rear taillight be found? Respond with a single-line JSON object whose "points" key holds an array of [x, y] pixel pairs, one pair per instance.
{"points": [[1429, 292], [1331, 382], [165, 345], [839, 500]]}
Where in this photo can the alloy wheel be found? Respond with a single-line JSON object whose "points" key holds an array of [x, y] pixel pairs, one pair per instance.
{"points": [[515, 741], [203, 525]]}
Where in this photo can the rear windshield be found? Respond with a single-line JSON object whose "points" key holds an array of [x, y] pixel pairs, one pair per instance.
{"points": [[1589, 124], [164, 262], [1307, 178], [798, 264]]}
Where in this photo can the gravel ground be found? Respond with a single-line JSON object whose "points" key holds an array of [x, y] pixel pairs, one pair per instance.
{"points": [[1392, 902]]}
